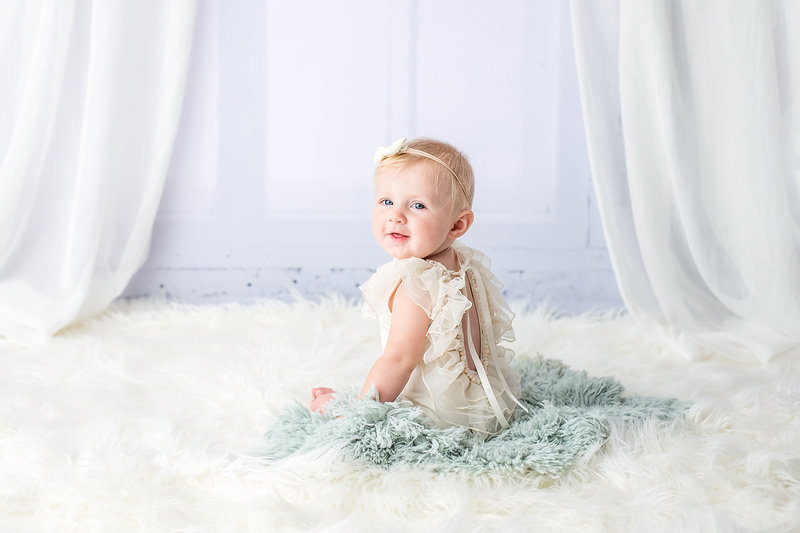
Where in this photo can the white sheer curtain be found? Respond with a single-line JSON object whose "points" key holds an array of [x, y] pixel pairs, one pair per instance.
{"points": [[692, 110], [90, 97]]}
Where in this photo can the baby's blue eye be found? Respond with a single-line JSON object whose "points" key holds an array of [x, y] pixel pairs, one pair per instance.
{"points": [[386, 202], [417, 205]]}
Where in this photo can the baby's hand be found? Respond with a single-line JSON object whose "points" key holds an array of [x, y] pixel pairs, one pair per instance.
{"points": [[320, 396]]}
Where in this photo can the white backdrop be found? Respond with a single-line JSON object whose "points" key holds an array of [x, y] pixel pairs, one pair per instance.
{"points": [[270, 187]]}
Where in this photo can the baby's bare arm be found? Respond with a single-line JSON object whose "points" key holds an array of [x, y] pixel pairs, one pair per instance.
{"points": [[403, 350]]}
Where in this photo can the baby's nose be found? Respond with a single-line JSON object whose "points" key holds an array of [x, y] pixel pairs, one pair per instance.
{"points": [[396, 215]]}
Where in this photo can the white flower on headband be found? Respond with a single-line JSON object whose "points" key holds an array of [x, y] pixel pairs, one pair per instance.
{"points": [[388, 151]]}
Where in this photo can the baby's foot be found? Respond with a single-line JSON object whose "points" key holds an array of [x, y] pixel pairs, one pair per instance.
{"points": [[320, 396], [319, 391]]}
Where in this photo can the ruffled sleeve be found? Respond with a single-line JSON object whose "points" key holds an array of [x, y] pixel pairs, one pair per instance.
{"points": [[416, 276], [430, 286]]}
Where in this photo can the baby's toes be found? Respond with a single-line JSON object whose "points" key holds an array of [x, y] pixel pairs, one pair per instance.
{"points": [[318, 391]]}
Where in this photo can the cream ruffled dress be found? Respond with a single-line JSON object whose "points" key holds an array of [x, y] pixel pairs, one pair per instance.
{"points": [[443, 385]]}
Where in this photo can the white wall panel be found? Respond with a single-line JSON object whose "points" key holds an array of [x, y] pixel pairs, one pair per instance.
{"points": [[326, 100], [270, 188], [492, 83]]}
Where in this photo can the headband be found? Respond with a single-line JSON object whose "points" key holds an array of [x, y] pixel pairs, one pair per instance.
{"points": [[401, 147]]}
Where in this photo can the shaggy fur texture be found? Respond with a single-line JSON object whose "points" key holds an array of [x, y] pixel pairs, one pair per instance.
{"points": [[569, 415], [147, 419]]}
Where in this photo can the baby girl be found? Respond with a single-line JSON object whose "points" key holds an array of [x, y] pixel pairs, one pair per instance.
{"points": [[439, 306]]}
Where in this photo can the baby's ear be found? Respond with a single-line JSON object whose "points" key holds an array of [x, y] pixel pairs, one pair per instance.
{"points": [[462, 224]]}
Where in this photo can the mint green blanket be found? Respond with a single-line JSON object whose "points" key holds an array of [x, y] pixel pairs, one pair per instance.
{"points": [[570, 416]]}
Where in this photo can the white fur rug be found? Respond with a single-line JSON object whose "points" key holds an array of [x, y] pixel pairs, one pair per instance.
{"points": [[144, 419]]}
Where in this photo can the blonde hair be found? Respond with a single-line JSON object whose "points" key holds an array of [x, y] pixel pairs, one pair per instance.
{"points": [[461, 194]]}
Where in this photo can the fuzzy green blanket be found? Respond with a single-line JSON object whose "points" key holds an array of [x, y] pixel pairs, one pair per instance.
{"points": [[570, 416]]}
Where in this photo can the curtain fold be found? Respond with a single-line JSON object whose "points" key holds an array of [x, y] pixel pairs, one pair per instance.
{"points": [[692, 112], [90, 98]]}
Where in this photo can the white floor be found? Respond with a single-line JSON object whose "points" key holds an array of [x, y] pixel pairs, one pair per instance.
{"points": [[145, 418]]}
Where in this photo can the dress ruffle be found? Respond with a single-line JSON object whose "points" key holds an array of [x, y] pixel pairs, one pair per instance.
{"points": [[442, 384], [430, 286], [502, 316]]}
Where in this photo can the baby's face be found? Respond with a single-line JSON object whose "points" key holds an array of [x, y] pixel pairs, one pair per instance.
{"points": [[411, 216]]}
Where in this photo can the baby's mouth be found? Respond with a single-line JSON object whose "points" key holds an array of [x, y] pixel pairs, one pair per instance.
{"points": [[397, 236]]}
